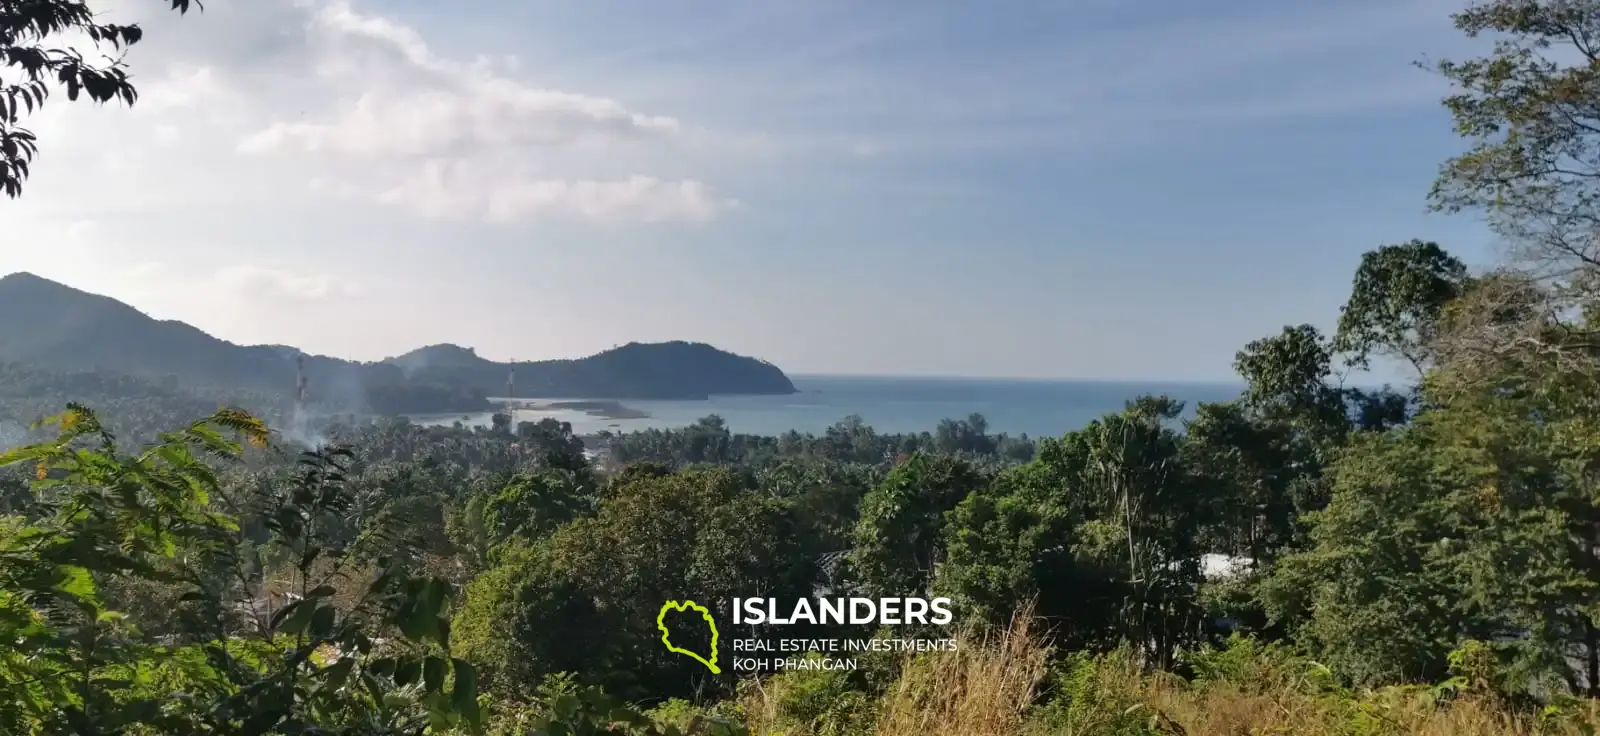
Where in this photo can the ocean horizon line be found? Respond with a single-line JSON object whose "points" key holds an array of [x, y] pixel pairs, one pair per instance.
{"points": [[1019, 379]]}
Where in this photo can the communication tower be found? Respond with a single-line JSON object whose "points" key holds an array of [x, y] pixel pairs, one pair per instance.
{"points": [[511, 382], [301, 420], [299, 382]]}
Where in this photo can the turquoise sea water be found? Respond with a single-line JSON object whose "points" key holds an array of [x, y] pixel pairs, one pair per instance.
{"points": [[892, 405]]}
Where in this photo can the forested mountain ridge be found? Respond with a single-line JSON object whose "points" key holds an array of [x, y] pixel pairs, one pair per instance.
{"points": [[72, 330], [677, 369]]}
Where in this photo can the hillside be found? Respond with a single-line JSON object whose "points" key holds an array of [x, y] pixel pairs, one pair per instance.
{"points": [[679, 370], [71, 330]]}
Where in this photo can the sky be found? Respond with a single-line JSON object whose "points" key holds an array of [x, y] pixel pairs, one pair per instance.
{"points": [[1031, 188]]}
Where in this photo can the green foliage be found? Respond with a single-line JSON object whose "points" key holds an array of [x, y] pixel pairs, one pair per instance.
{"points": [[1528, 110], [1248, 664], [1437, 534], [85, 668], [1246, 467], [527, 619], [1398, 298], [664, 370], [821, 703], [533, 505], [849, 443], [28, 34], [133, 409], [825, 496], [1526, 107], [698, 535], [1287, 381], [1004, 549], [683, 717], [553, 446], [1098, 695], [897, 539], [560, 707]]}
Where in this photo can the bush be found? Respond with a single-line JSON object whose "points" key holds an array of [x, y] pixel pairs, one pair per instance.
{"points": [[810, 703]]}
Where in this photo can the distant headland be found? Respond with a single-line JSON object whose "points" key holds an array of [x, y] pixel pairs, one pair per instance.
{"points": [[70, 330]]}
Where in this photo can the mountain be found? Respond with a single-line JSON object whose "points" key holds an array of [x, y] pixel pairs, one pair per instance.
{"points": [[683, 370], [52, 325]]}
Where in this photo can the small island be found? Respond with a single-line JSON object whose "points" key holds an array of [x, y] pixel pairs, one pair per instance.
{"points": [[654, 371]]}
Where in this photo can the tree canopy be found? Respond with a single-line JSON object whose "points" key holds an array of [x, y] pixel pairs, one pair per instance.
{"points": [[31, 47]]}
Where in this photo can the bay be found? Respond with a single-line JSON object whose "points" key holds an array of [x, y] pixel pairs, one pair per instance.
{"points": [[888, 404]]}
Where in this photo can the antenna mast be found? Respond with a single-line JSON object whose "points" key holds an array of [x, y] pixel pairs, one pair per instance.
{"points": [[300, 420], [299, 382]]}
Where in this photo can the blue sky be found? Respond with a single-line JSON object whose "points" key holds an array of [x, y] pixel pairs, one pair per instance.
{"points": [[1036, 189]]}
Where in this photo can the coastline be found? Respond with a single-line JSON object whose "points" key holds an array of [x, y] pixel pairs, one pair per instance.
{"points": [[601, 409], [896, 406]]}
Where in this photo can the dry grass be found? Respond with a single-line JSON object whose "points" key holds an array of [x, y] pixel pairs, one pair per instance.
{"points": [[991, 686], [1226, 711], [1278, 695], [985, 687]]}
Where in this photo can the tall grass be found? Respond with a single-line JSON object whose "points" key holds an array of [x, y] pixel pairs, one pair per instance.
{"points": [[984, 687], [1007, 683]]}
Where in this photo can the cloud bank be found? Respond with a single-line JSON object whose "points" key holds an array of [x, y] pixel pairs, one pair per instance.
{"points": [[318, 98]]}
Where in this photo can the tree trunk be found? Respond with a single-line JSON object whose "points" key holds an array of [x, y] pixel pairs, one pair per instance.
{"points": [[1591, 639], [1591, 642]]}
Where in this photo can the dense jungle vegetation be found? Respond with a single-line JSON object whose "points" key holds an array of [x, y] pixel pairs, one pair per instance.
{"points": [[1412, 560]]}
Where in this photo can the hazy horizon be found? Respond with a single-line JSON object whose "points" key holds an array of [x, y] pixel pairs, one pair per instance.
{"points": [[831, 186], [794, 374]]}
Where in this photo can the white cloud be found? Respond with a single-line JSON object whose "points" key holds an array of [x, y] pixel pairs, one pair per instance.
{"points": [[260, 282], [278, 103], [447, 189], [181, 88], [413, 102], [227, 287], [447, 138]]}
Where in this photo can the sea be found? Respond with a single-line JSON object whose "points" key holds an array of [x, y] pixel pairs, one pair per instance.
{"points": [[890, 405]]}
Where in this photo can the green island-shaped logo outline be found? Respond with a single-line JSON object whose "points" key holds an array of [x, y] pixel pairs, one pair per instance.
{"points": [[705, 613]]}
